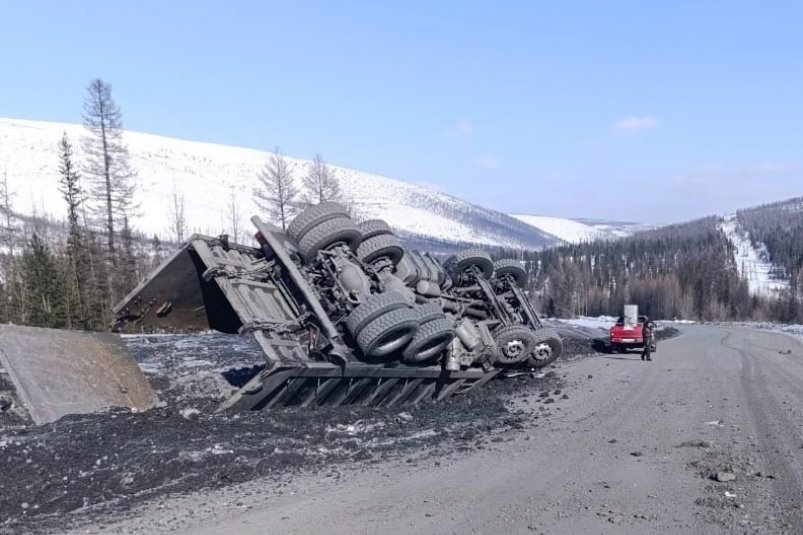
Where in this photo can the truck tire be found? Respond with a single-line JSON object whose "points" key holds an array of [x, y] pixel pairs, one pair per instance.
{"points": [[515, 344], [371, 308], [382, 245], [429, 341], [313, 216], [325, 235], [548, 347], [429, 312], [383, 338], [512, 268], [468, 258], [374, 227]]}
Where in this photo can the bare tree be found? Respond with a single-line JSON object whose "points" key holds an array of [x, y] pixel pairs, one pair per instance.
{"points": [[107, 165], [178, 223], [320, 183], [233, 217], [277, 192]]}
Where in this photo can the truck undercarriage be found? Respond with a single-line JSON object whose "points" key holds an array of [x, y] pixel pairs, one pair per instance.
{"points": [[345, 315]]}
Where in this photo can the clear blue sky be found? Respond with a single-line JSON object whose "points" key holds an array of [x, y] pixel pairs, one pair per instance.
{"points": [[653, 111]]}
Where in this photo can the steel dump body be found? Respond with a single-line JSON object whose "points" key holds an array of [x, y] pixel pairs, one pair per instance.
{"points": [[57, 372], [309, 310]]}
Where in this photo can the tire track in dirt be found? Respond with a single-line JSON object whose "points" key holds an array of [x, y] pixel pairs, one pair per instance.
{"points": [[774, 428]]}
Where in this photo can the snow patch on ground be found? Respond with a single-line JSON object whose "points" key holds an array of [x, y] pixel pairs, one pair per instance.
{"points": [[752, 262], [600, 322]]}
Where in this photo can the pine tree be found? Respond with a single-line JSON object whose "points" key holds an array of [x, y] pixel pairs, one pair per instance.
{"points": [[128, 268], [44, 283], [77, 270], [277, 192]]}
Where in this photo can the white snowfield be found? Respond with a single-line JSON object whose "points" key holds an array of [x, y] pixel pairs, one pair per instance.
{"points": [[579, 231], [567, 230], [211, 176], [752, 263]]}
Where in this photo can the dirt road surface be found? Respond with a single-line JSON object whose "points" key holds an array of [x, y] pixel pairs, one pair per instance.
{"points": [[636, 448]]}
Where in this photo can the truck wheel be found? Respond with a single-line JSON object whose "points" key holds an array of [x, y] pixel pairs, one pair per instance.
{"points": [[515, 343], [374, 227], [371, 308], [429, 341], [471, 257], [512, 268], [332, 232], [429, 312], [381, 339], [382, 245], [548, 347], [313, 216]]}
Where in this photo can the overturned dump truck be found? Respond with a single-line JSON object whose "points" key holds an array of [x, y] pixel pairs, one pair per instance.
{"points": [[345, 315]]}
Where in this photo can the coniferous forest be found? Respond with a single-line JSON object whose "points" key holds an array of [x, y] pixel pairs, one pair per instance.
{"points": [[683, 271]]}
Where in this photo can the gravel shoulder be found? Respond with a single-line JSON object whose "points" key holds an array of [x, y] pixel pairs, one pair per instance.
{"points": [[636, 448]]}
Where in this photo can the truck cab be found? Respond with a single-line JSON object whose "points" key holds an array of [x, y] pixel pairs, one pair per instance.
{"points": [[625, 336]]}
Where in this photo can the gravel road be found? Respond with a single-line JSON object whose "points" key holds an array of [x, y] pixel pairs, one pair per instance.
{"points": [[636, 448]]}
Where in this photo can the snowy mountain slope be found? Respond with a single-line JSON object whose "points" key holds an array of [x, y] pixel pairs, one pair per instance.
{"points": [[616, 229], [581, 230], [567, 230], [752, 262], [209, 176]]}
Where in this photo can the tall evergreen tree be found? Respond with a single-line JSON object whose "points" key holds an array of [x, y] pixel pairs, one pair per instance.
{"points": [[44, 283], [77, 265]]}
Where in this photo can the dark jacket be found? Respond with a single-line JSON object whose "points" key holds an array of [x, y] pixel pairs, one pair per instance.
{"points": [[647, 331]]}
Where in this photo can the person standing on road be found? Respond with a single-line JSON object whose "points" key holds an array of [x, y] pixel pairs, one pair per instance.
{"points": [[647, 334]]}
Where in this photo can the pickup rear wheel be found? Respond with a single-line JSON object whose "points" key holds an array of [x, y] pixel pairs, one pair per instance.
{"points": [[328, 234]]}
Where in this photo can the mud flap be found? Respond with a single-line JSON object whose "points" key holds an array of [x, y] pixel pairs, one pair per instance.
{"points": [[57, 372]]}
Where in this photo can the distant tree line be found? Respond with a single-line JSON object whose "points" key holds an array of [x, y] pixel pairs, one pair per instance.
{"points": [[679, 271]]}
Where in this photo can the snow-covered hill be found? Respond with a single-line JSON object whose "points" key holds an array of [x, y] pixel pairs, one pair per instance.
{"points": [[581, 230], [752, 262], [209, 176]]}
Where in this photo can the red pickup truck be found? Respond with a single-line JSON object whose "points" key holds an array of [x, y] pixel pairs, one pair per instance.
{"points": [[624, 337]]}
